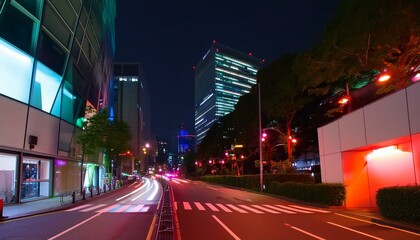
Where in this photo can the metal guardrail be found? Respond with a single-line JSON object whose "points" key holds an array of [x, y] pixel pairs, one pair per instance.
{"points": [[165, 228]]}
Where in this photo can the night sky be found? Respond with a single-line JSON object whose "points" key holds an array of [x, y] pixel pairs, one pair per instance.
{"points": [[169, 37]]}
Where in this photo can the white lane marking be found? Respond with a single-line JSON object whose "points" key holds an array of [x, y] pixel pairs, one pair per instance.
{"points": [[265, 209], [182, 180], [79, 207], [199, 206], [145, 209], [310, 209], [108, 208], [293, 209], [236, 209], [377, 224], [122, 208], [75, 226], [212, 207], [226, 228], [250, 209], [280, 209], [223, 207], [92, 208], [362, 233], [187, 205], [175, 181], [136, 208], [213, 188], [305, 232]]}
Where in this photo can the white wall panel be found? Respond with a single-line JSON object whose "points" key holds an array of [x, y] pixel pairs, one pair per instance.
{"points": [[12, 122], [387, 118], [331, 138], [45, 127], [320, 142], [332, 171], [413, 96], [352, 130]]}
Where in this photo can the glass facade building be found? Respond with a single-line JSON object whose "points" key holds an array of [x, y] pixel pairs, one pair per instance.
{"points": [[221, 77], [56, 60]]}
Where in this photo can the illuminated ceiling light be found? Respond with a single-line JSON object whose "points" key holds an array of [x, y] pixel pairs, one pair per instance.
{"points": [[385, 149]]}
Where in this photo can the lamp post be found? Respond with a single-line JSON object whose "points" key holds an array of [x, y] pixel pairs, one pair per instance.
{"points": [[259, 135]]}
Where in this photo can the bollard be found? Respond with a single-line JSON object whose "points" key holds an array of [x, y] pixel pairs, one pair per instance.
{"points": [[99, 190], [91, 191], [104, 188], [1, 208], [109, 187], [73, 196], [84, 194]]}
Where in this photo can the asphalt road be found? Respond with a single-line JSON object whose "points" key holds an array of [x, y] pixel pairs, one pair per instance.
{"points": [[124, 214], [206, 211]]}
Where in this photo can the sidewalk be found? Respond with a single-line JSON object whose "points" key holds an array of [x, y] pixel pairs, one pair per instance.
{"points": [[13, 211]]}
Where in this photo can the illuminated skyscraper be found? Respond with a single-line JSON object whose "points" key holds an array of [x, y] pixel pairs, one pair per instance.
{"points": [[221, 77]]}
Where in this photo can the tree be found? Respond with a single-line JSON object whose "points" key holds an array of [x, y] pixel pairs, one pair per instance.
{"points": [[283, 94], [366, 37], [100, 132]]}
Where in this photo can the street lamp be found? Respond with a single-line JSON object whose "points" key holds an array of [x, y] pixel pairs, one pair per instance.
{"points": [[260, 134]]}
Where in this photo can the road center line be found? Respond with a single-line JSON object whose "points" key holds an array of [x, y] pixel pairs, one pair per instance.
{"points": [[305, 232], [75, 226], [213, 188], [226, 228], [368, 235]]}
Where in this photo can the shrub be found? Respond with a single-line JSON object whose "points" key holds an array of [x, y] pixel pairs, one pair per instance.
{"points": [[329, 194], [399, 203]]}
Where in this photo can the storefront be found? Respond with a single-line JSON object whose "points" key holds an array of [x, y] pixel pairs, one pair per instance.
{"points": [[34, 174]]}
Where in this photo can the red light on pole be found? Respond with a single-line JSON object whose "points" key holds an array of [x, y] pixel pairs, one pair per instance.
{"points": [[264, 135], [344, 100]]}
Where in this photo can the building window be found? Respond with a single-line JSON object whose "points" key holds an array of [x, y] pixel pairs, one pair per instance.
{"points": [[16, 28]]}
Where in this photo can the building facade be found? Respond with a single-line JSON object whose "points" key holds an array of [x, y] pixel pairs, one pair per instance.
{"points": [[221, 77], [373, 147], [132, 105], [56, 61]]}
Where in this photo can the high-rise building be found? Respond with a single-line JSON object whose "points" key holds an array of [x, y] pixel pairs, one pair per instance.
{"points": [[221, 77], [132, 105], [56, 60]]}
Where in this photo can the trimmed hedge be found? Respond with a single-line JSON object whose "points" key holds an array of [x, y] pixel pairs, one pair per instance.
{"points": [[253, 181], [399, 203], [329, 194]]}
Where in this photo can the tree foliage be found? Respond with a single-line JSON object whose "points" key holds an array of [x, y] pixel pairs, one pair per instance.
{"points": [[100, 132]]}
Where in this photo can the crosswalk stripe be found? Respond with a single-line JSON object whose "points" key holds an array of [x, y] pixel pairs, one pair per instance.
{"points": [[212, 207], [250, 209], [223, 207], [310, 209], [187, 206], [265, 209], [236, 209], [293, 209], [279, 209], [122, 208], [136, 208], [92, 208], [199, 206], [145, 209], [79, 207], [108, 208]]}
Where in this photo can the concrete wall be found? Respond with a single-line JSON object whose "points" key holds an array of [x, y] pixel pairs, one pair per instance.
{"points": [[349, 147]]}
